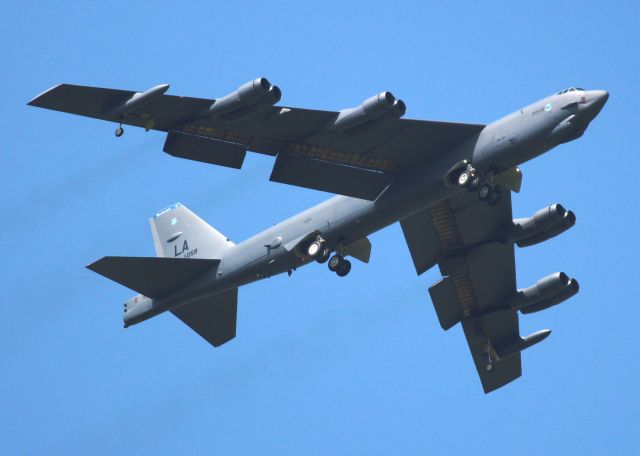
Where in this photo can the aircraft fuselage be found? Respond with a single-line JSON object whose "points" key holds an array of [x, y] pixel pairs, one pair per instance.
{"points": [[501, 145]]}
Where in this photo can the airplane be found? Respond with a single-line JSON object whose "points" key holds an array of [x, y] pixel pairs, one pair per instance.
{"points": [[448, 184]]}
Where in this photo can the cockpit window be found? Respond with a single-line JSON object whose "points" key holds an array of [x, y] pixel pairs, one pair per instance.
{"points": [[572, 89]]}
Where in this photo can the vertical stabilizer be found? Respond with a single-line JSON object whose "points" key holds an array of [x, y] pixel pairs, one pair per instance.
{"points": [[179, 233]]}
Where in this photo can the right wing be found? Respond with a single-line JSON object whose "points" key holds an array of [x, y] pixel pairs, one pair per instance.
{"points": [[310, 152]]}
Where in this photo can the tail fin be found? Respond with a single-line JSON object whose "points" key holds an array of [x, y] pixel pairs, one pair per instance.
{"points": [[179, 233]]}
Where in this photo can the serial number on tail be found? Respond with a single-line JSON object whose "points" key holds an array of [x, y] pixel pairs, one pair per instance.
{"points": [[185, 248]]}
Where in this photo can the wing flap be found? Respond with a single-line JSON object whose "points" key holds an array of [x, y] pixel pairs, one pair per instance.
{"points": [[329, 177], [213, 318], [422, 240], [446, 303], [152, 277], [203, 149]]}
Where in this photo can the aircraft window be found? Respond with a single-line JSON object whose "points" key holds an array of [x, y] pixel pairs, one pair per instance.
{"points": [[579, 88], [572, 89]]}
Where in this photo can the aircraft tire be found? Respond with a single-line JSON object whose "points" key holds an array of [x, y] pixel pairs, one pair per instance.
{"points": [[474, 183], [334, 262], [324, 255], [344, 267], [485, 192], [314, 249], [494, 197], [463, 178], [119, 132]]}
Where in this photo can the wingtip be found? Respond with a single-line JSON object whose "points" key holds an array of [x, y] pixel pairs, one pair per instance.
{"points": [[34, 100]]}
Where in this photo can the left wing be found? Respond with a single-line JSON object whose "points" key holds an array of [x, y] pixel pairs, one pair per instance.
{"points": [[473, 244], [355, 152]]}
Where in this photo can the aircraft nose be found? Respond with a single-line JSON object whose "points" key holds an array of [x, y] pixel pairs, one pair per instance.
{"points": [[596, 99]]}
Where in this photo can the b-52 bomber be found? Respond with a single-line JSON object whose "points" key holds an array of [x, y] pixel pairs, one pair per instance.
{"points": [[448, 184]]}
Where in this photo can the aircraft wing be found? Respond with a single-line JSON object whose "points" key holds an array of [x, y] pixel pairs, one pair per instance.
{"points": [[310, 151], [466, 237]]}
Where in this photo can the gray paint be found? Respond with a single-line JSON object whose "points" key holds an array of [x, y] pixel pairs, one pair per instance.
{"points": [[414, 161]]}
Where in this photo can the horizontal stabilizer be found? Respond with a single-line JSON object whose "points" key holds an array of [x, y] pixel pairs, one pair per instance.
{"points": [[213, 318], [152, 277], [329, 177], [203, 149]]}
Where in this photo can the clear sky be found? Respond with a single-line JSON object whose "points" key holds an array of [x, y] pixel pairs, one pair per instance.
{"points": [[320, 365]]}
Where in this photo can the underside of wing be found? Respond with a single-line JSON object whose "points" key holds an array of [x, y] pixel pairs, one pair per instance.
{"points": [[473, 244], [355, 152]]}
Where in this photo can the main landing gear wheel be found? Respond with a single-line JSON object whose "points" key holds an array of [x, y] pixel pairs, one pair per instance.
{"points": [[119, 131], [474, 183], [315, 248], [343, 268], [490, 194], [323, 255], [484, 192], [463, 178], [339, 265], [334, 262]]}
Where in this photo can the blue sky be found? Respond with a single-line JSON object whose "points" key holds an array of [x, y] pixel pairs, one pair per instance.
{"points": [[321, 365]]}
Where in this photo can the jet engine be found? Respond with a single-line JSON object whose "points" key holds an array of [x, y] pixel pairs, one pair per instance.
{"points": [[250, 99], [382, 107], [545, 224], [546, 292]]}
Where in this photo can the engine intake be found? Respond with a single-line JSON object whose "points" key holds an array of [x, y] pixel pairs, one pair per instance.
{"points": [[543, 225], [250, 99], [546, 292], [381, 107]]}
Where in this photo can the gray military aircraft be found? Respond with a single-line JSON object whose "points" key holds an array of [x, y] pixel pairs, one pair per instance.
{"points": [[449, 185]]}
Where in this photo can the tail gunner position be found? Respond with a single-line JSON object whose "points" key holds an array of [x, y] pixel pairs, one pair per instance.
{"points": [[448, 184]]}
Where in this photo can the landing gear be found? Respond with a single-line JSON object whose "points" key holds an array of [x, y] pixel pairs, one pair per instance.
{"points": [[489, 366], [315, 248], [323, 255], [463, 178], [468, 178], [474, 183], [119, 131], [339, 265], [490, 194]]}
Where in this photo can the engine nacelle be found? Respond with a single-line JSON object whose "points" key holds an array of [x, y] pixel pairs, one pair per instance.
{"points": [[545, 224], [250, 99], [379, 107], [546, 292]]}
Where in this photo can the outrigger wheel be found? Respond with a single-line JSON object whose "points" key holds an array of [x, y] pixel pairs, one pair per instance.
{"points": [[119, 131]]}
